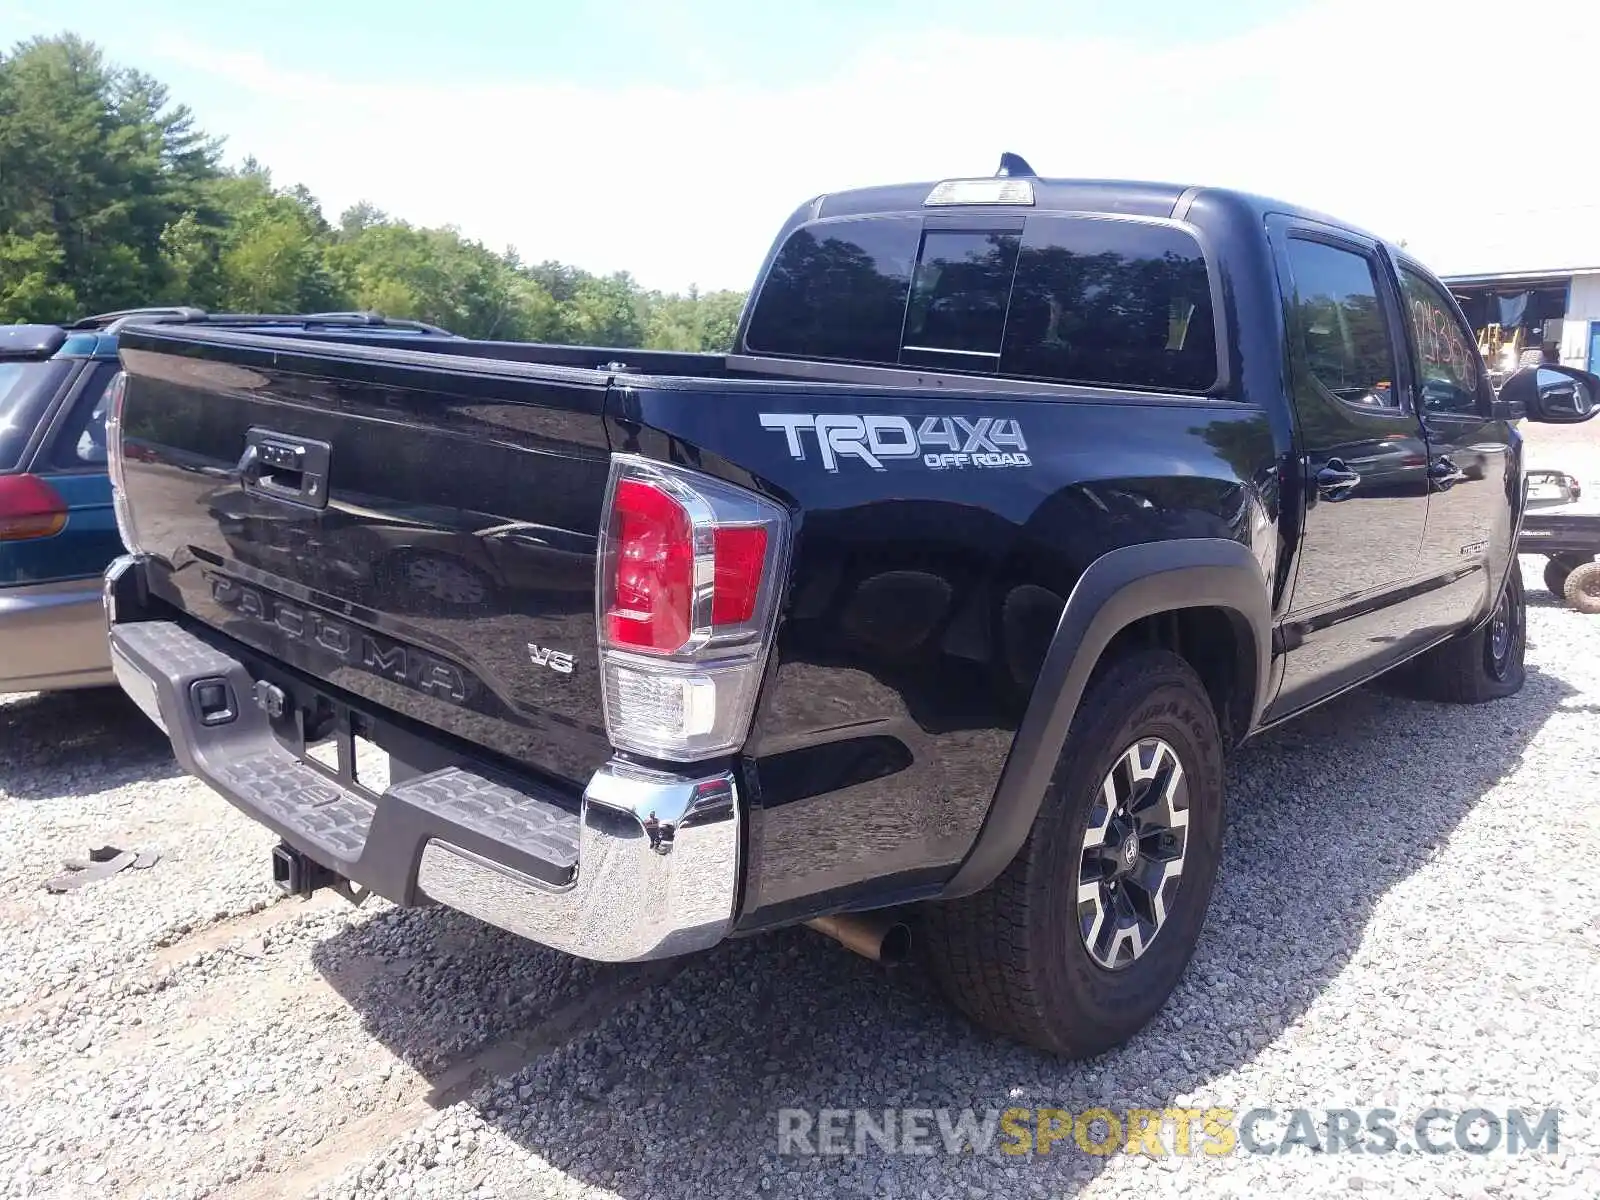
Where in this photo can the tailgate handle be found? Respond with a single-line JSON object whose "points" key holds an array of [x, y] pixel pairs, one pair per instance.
{"points": [[280, 466]]}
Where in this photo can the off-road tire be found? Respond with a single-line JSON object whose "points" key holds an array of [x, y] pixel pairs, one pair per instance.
{"points": [[1583, 588], [1556, 569], [1011, 956], [1555, 576], [1475, 668]]}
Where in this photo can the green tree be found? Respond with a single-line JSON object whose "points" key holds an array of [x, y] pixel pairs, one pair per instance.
{"points": [[271, 262], [93, 157], [110, 197], [696, 321], [436, 275], [360, 216], [608, 311], [30, 288], [193, 252]]}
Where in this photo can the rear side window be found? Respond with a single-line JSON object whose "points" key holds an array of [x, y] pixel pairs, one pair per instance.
{"points": [[838, 290], [26, 389], [1065, 299], [81, 441], [1340, 325]]}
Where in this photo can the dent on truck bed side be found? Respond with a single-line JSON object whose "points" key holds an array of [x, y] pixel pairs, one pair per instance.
{"points": [[923, 601]]}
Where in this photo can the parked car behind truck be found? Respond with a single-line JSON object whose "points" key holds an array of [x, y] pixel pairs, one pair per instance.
{"points": [[1020, 502], [57, 533]]}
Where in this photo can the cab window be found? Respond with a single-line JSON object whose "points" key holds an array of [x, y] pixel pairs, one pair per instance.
{"points": [[1118, 303]]}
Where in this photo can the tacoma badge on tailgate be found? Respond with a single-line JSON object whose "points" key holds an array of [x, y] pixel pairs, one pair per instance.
{"points": [[350, 644]]}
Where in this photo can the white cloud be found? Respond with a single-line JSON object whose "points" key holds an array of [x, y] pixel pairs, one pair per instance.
{"points": [[1416, 119]]}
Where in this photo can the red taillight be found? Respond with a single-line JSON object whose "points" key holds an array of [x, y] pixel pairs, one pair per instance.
{"points": [[653, 596], [691, 569], [29, 508], [741, 555]]}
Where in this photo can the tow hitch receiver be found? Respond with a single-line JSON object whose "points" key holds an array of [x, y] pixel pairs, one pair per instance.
{"points": [[297, 875]]}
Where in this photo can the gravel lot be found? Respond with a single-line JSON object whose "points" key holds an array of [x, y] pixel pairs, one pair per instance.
{"points": [[1408, 917]]}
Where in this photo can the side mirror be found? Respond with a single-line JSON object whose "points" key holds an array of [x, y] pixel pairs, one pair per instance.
{"points": [[1554, 395]]}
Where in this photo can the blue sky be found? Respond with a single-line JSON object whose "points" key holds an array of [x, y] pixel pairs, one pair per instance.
{"points": [[671, 138]]}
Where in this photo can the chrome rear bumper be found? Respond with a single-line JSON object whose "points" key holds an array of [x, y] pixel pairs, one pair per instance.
{"points": [[646, 867], [658, 863]]}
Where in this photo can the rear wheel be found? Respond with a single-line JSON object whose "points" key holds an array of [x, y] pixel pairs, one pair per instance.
{"points": [[1583, 588], [1084, 935], [1486, 664]]}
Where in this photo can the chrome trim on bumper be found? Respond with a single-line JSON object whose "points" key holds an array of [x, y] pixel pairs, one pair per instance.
{"points": [[658, 872]]}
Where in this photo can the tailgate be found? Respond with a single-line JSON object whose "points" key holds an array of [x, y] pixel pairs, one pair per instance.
{"points": [[414, 528]]}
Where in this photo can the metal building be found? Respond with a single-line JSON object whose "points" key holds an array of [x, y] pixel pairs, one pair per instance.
{"points": [[1533, 316]]}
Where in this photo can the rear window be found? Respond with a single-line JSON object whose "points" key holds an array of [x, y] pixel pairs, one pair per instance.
{"points": [[958, 298], [26, 389], [1059, 299], [838, 291]]}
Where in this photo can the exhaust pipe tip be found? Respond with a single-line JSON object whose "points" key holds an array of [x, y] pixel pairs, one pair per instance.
{"points": [[872, 935], [896, 944]]}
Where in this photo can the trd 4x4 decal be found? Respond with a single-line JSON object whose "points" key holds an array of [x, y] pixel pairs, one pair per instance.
{"points": [[940, 442]]}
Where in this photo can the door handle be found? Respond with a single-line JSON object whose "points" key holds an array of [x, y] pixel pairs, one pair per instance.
{"points": [[1444, 474], [1336, 481]]}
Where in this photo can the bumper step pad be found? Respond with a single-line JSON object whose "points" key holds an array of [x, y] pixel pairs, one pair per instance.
{"points": [[500, 813], [377, 844], [277, 784]]}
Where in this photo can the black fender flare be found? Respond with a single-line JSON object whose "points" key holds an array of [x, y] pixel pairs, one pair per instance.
{"points": [[1119, 588]]}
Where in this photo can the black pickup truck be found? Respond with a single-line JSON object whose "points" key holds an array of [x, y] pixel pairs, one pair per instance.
{"points": [[936, 605]]}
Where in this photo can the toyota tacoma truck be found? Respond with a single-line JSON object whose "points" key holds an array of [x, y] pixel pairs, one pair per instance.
{"points": [[936, 605]]}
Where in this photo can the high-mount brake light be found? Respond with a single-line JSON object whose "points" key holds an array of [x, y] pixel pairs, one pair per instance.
{"points": [[29, 508], [691, 569], [980, 191]]}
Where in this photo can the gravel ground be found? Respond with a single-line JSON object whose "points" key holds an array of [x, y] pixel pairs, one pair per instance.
{"points": [[1407, 918]]}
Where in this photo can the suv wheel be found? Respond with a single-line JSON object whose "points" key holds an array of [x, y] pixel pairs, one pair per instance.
{"points": [[1085, 934], [1486, 664]]}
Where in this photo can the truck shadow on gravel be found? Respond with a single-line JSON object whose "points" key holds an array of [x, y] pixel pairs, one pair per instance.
{"points": [[57, 743], [666, 1080]]}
